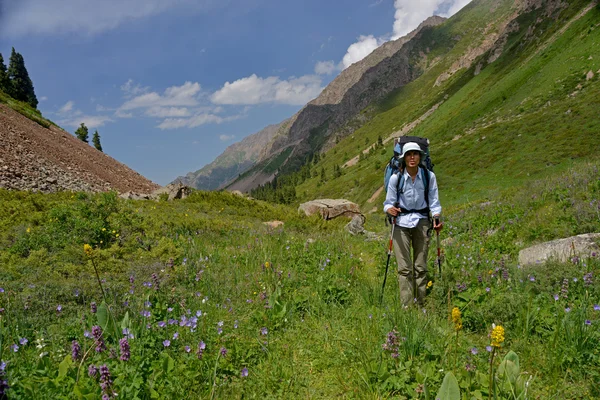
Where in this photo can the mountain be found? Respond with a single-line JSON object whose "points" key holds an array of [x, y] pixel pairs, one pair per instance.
{"points": [[275, 139], [37, 155]]}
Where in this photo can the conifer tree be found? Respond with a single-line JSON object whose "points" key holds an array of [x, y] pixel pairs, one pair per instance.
{"points": [[4, 82], [21, 87], [96, 141], [82, 133]]}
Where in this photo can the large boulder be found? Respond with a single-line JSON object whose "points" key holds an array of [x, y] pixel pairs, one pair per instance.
{"points": [[329, 208], [173, 190], [562, 250]]}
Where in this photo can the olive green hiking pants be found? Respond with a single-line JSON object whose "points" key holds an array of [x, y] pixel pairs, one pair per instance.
{"points": [[412, 244]]}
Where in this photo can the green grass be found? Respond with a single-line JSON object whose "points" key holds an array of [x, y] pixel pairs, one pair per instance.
{"points": [[312, 287], [25, 110]]}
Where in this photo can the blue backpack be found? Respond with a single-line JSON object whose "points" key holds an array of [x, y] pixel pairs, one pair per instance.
{"points": [[396, 164]]}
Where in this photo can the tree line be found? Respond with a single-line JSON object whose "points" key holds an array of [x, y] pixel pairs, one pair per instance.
{"points": [[15, 80]]}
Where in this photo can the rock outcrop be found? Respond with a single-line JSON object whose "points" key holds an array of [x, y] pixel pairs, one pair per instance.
{"points": [[331, 208], [562, 250]]}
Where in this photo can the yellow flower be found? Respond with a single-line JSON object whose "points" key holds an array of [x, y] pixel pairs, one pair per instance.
{"points": [[103, 229], [267, 264], [429, 284], [117, 235], [497, 336], [28, 230], [88, 250], [456, 318]]}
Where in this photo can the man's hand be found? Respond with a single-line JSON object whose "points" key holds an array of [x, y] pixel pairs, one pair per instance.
{"points": [[437, 223], [394, 211]]}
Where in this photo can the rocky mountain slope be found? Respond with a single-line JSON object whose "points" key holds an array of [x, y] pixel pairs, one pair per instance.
{"points": [[270, 142], [36, 158]]}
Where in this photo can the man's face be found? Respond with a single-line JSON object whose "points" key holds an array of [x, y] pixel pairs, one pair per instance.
{"points": [[412, 158]]}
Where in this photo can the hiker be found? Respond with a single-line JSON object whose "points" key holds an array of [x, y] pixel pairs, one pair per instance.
{"points": [[410, 212]]}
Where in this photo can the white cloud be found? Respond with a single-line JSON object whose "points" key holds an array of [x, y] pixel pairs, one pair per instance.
{"points": [[256, 90], [165, 112], [376, 3], [226, 138], [91, 121], [78, 16], [130, 89], [456, 7], [175, 96], [359, 50], [68, 107], [325, 68]]}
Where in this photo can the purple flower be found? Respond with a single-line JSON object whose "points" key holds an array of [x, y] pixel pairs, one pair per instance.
{"points": [[568, 309], [92, 370], [219, 330], [201, 348], [97, 335], [175, 335], [532, 278], [93, 307], [588, 322], [187, 349], [87, 334], [235, 324], [488, 348], [14, 347], [124, 347], [162, 324], [145, 313], [23, 341], [131, 279], [555, 297], [172, 321], [170, 309], [105, 381], [263, 331], [244, 372], [75, 350], [474, 351], [166, 343], [59, 308], [1, 290], [223, 352], [220, 323], [199, 313], [487, 289], [596, 307]]}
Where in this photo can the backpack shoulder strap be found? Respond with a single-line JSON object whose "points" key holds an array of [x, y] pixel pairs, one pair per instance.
{"points": [[400, 185], [426, 179]]}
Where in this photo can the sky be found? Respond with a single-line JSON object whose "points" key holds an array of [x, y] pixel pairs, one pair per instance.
{"points": [[169, 84]]}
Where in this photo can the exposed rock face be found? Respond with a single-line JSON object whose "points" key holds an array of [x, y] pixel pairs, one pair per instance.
{"points": [[49, 159], [329, 208], [562, 250], [173, 190]]}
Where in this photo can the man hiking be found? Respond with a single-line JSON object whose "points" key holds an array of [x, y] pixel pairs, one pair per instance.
{"points": [[411, 198]]}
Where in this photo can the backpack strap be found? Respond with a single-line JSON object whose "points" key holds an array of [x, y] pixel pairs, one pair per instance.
{"points": [[400, 189], [426, 179]]}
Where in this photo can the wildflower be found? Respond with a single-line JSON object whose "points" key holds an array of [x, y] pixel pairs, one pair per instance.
{"points": [[223, 352], [86, 334], [105, 381], [23, 341], [497, 336], [532, 278], [588, 322], [456, 319], [487, 289], [488, 349], [124, 347], [59, 308], [470, 367], [564, 290], [555, 297], [92, 371], [166, 342], [75, 349], [127, 333], [201, 348], [474, 351], [1, 290], [588, 279], [162, 324], [264, 331], [14, 347], [235, 324], [244, 372], [87, 249], [175, 335], [131, 279], [156, 281], [187, 349], [568, 309], [145, 313], [596, 307], [93, 307], [219, 330], [97, 335], [220, 323]]}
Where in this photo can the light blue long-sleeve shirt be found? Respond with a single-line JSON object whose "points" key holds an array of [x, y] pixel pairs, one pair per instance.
{"points": [[413, 198]]}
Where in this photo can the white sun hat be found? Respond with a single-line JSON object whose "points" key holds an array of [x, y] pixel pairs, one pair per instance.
{"points": [[411, 146]]}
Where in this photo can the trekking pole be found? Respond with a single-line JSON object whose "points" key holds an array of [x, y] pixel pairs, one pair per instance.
{"points": [[439, 257], [387, 265]]}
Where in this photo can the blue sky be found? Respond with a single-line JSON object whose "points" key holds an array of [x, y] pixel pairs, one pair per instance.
{"points": [[169, 84]]}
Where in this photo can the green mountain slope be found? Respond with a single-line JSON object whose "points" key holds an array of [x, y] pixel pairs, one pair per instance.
{"points": [[530, 113]]}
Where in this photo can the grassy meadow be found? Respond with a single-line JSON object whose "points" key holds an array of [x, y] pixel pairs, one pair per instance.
{"points": [[199, 299]]}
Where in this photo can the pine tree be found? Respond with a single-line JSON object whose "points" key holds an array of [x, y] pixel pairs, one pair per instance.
{"points": [[4, 82], [21, 87], [82, 133], [96, 141]]}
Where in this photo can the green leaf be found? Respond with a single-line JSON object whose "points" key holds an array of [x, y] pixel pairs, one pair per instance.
{"points": [[508, 370], [102, 316], [449, 389], [512, 356], [168, 363], [64, 366], [125, 321]]}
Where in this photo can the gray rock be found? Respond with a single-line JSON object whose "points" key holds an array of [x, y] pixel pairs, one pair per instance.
{"points": [[561, 250], [329, 209], [356, 226]]}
